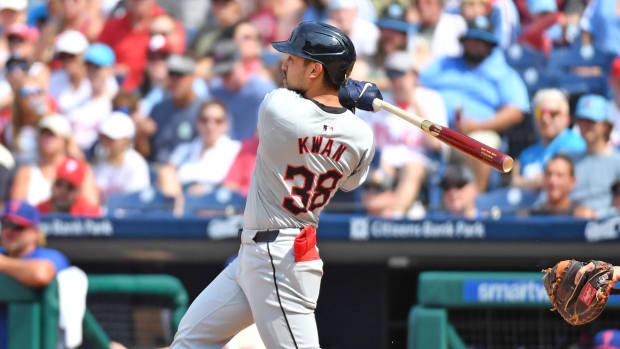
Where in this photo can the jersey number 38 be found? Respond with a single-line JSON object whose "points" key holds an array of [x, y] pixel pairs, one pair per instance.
{"points": [[312, 195]]}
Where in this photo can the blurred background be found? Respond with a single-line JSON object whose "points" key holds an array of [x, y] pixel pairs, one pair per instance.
{"points": [[130, 125]]}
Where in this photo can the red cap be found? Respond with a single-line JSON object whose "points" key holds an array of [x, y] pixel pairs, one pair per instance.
{"points": [[159, 43], [615, 68], [72, 170], [23, 31]]}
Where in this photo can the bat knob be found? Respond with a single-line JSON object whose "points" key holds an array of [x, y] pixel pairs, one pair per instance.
{"points": [[507, 164], [376, 104]]}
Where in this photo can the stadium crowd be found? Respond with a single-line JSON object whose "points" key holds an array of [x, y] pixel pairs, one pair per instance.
{"points": [[100, 99]]}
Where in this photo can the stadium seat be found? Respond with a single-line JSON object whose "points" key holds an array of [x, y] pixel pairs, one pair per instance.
{"points": [[564, 62], [530, 64], [507, 200], [217, 202], [150, 201]]}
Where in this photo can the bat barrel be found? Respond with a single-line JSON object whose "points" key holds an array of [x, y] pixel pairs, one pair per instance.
{"points": [[473, 148]]}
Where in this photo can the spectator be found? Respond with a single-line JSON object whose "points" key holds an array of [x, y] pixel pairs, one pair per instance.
{"points": [[7, 170], [484, 95], [460, 192], [614, 105], [192, 165], [240, 92], [12, 12], [546, 20], [558, 182], [69, 85], [615, 192], [22, 40], [503, 15], [599, 26], [87, 117], [22, 256], [552, 117], [33, 183], [66, 196], [78, 15], [364, 34], [121, 169], [247, 38], [599, 167], [129, 37], [175, 115], [153, 86], [393, 32], [406, 152], [128, 103], [171, 30], [227, 14], [607, 339], [240, 173], [31, 104], [437, 30]]}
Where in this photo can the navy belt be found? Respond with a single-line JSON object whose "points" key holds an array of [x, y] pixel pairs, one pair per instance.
{"points": [[268, 235]]}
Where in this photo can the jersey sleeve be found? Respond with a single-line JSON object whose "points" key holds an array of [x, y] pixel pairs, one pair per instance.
{"points": [[358, 176]]}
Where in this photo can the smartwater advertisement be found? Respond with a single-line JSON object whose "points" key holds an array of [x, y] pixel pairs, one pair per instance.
{"points": [[508, 291]]}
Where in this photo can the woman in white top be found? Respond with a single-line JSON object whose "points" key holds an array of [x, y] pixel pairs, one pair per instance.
{"points": [[121, 168], [202, 164], [33, 183]]}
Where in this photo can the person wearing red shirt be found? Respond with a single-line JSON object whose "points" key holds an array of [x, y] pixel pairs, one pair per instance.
{"points": [[240, 172], [66, 192], [129, 36]]}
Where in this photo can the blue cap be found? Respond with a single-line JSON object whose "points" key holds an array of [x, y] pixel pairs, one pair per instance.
{"points": [[480, 28], [607, 339], [541, 6], [20, 212], [100, 54], [592, 107], [393, 17]]}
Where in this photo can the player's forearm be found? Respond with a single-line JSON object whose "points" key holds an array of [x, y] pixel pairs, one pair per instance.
{"points": [[505, 118], [33, 273]]}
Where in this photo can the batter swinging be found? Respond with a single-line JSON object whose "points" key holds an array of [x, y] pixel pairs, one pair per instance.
{"points": [[310, 146]]}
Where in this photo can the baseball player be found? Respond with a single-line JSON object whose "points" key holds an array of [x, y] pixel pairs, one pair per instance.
{"points": [[310, 146]]}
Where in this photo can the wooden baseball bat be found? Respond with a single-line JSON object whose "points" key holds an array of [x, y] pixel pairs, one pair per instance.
{"points": [[457, 140]]}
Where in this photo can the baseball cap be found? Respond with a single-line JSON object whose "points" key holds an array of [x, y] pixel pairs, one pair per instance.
{"points": [[540, 6], [159, 43], [23, 31], [592, 107], [181, 64], [341, 4], [22, 213], [615, 68], [225, 55], [72, 170], [100, 55], [56, 123], [400, 61], [393, 17], [480, 28], [607, 339], [457, 175], [71, 41], [117, 126], [16, 5]]}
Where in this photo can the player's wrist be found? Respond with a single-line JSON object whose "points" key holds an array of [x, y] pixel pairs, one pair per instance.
{"points": [[616, 273]]}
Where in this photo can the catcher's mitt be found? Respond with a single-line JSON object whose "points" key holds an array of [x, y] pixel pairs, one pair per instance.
{"points": [[582, 302]]}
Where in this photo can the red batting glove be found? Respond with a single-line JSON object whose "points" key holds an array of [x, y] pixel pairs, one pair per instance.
{"points": [[305, 245]]}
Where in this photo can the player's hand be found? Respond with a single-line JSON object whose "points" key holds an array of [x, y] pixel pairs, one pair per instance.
{"points": [[358, 94]]}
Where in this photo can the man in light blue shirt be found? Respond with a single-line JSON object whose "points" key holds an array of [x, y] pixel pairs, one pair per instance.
{"points": [[600, 24], [483, 94], [552, 118], [599, 168]]}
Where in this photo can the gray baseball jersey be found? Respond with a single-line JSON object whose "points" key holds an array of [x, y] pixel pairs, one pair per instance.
{"points": [[306, 153]]}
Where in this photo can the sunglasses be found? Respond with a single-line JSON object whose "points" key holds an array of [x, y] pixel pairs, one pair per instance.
{"points": [[153, 56], [64, 56], [539, 113], [176, 74], [63, 184], [459, 184], [30, 91], [206, 120], [12, 225], [14, 39], [393, 73], [21, 65]]}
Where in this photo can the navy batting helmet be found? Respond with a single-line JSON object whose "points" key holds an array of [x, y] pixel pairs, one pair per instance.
{"points": [[322, 43]]}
